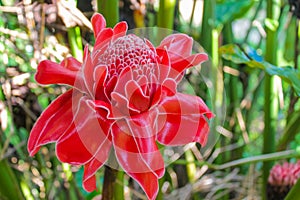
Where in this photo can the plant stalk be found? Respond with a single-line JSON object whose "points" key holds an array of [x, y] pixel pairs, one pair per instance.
{"points": [[249, 160], [75, 42], [110, 176], [271, 93], [110, 10], [166, 12], [113, 187]]}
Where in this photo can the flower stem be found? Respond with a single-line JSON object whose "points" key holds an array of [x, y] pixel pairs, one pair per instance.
{"points": [[254, 159], [166, 14], [75, 42], [110, 10], [119, 186], [113, 187], [271, 96], [110, 176]]}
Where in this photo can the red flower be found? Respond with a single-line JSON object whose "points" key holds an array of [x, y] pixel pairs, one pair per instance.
{"points": [[124, 97], [286, 174]]}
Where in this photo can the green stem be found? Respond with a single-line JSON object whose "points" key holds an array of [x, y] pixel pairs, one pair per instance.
{"points": [[193, 13], [110, 10], [233, 96], [210, 42], [160, 195], [75, 42], [207, 25], [271, 96], [253, 159], [113, 185], [191, 166], [166, 11], [119, 187], [258, 8], [110, 176]]}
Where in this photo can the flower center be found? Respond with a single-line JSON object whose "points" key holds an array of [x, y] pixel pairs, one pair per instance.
{"points": [[129, 51]]}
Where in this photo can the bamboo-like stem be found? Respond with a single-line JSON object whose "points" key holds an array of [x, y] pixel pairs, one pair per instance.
{"points": [[271, 96], [253, 18], [191, 166], [210, 42], [75, 42], [110, 10], [113, 187], [294, 99], [166, 11], [119, 186], [249, 160], [110, 176], [233, 96], [207, 25], [193, 13]]}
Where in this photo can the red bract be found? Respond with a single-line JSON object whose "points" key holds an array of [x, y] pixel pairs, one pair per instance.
{"points": [[123, 97], [286, 174]]}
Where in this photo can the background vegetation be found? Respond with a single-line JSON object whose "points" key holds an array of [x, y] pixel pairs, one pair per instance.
{"points": [[253, 87]]}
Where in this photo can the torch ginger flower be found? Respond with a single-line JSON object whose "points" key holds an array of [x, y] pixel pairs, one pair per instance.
{"points": [[124, 98], [286, 174]]}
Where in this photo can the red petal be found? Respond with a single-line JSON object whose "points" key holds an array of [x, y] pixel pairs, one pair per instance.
{"points": [[98, 22], [71, 63], [49, 72], [149, 183], [121, 106], [120, 30], [88, 70], [135, 146], [102, 41], [184, 63], [89, 184], [100, 75], [179, 48], [164, 66], [177, 45], [109, 87], [70, 149], [53, 122], [87, 135], [168, 88], [136, 97], [89, 179], [182, 120]]}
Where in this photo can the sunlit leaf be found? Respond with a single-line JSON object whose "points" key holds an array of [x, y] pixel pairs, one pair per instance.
{"points": [[232, 9], [290, 40], [235, 54], [271, 24]]}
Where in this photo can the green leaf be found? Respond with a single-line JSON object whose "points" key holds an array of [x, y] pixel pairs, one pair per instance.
{"points": [[271, 24], [294, 192], [291, 132], [9, 186], [232, 9], [235, 54], [290, 40]]}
